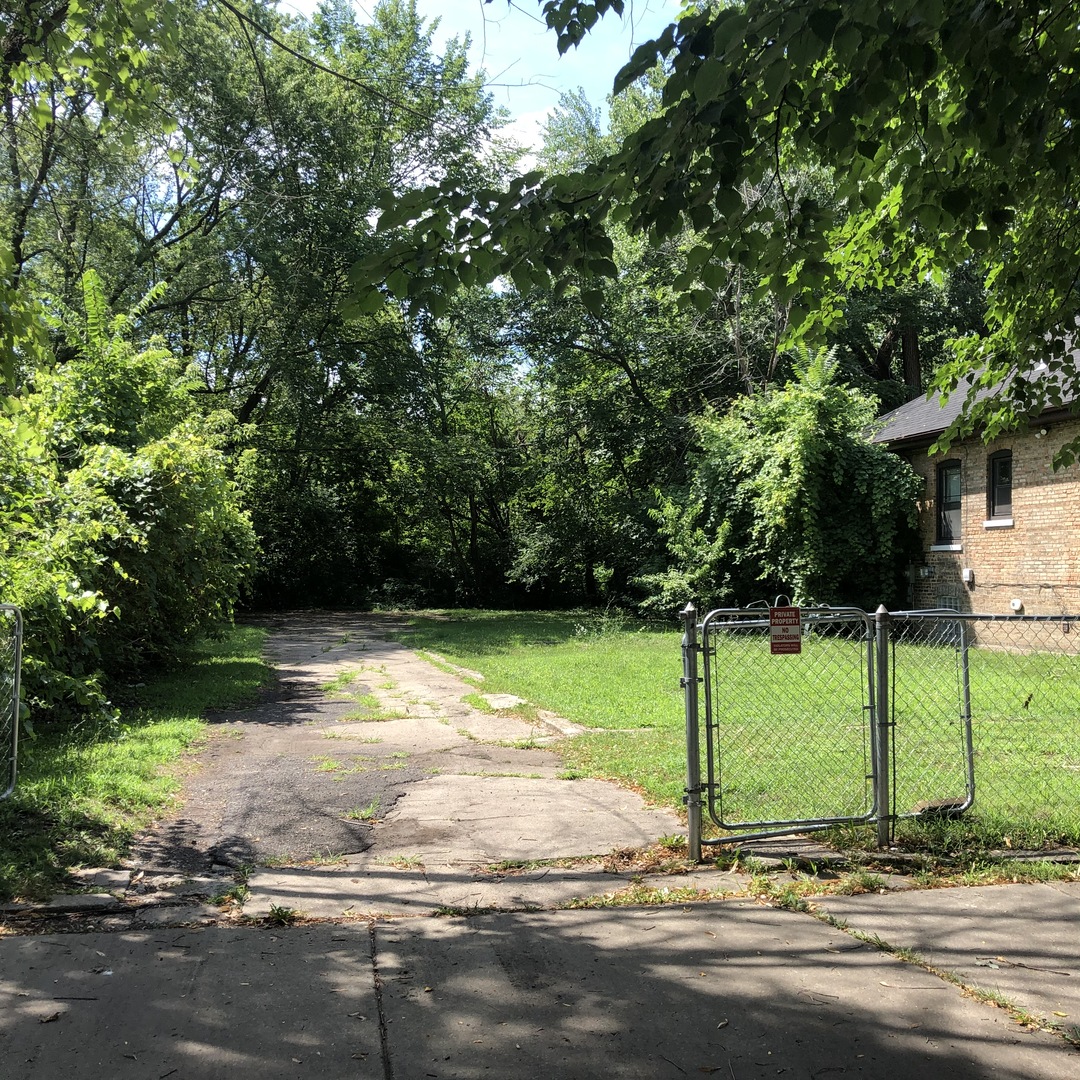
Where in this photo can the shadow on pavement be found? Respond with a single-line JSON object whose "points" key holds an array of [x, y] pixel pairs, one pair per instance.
{"points": [[734, 990]]}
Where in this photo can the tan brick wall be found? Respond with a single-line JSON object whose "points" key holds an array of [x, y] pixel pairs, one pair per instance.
{"points": [[1036, 560]]}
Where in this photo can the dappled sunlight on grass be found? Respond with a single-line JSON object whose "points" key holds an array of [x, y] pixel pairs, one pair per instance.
{"points": [[84, 790]]}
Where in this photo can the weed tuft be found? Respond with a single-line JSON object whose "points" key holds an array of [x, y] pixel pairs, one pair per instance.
{"points": [[341, 682], [283, 916], [365, 813]]}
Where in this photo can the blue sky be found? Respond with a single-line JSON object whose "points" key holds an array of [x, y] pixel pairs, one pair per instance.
{"points": [[525, 71]]}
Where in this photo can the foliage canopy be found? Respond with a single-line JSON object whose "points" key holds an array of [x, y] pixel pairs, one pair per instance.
{"points": [[949, 127]]}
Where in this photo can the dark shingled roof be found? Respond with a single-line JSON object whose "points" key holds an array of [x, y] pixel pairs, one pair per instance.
{"points": [[922, 420]]}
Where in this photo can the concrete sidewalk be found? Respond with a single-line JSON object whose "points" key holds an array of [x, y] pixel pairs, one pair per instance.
{"points": [[427, 954], [731, 989]]}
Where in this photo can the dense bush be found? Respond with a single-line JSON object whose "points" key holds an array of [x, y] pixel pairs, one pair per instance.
{"points": [[121, 533], [789, 495]]}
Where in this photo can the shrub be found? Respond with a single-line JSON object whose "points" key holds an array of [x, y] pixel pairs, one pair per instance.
{"points": [[121, 533]]}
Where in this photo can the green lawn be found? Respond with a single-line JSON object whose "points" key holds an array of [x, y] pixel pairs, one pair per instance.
{"points": [[84, 790], [792, 737]]}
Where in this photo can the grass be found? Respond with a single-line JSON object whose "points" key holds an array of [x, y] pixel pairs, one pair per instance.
{"points": [[636, 895], [524, 711], [341, 682], [570, 663], [369, 707], [232, 897], [406, 862], [365, 813], [326, 764], [792, 734], [373, 715], [283, 916], [85, 790]]}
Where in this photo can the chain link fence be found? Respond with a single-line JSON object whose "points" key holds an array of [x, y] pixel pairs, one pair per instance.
{"points": [[10, 660], [897, 719], [1017, 678]]}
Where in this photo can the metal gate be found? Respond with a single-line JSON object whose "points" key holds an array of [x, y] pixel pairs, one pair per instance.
{"points": [[10, 661], [791, 741], [928, 663], [804, 740]]}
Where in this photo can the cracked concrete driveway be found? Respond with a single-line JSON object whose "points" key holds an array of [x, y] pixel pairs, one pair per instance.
{"points": [[366, 756]]}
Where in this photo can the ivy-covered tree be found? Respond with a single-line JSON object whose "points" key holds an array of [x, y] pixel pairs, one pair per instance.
{"points": [[789, 495]]}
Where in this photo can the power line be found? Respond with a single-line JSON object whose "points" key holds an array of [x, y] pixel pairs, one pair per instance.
{"points": [[245, 19]]}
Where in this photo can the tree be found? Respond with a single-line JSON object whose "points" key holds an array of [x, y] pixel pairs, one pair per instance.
{"points": [[790, 495], [950, 133], [249, 206], [68, 73]]}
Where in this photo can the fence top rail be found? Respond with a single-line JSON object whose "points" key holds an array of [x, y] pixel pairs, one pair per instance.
{"points": [[758, 617], [947, 615]]}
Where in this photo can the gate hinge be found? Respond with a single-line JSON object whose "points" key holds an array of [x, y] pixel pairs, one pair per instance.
{"points": [[687, 792], [682, 680]]}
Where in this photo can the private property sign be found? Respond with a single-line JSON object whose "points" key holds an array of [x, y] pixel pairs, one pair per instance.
{"points": [[785, 631]]}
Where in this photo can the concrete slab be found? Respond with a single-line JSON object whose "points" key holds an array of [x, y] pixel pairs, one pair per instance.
{"points": [[102, 879], [83, 902], [1019, 940], [732, 990], [376, 889], [503, 701], [176, 915], [369, 888], [477, 818], [190, 1004]]}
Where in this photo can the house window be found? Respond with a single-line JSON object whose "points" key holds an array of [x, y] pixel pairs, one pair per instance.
{"points": [[948, 502], [999, 485]]}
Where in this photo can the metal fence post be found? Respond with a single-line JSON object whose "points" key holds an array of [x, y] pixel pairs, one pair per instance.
{"points": [[693, 748], [965, 717], [882, 706], [10, 651]]}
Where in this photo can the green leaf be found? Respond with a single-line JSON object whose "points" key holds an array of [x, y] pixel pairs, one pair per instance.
{"points": [[370, 301], [593, 301], [823, 22], [714, 275], [729, 202], [698, 256], [702, 299], [398, 283], [803, 50], [729, 27], [643, 59], [603, 268], [701, 216], [709, 80]]}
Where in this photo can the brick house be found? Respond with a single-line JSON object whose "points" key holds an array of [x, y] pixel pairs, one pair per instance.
{"points": [[999, 529]]}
